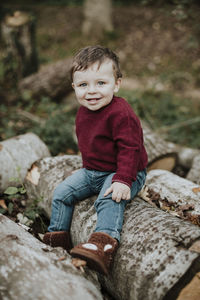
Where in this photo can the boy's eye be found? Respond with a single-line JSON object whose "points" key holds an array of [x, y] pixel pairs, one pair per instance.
{"points": [[83, 84], [101, 82]]}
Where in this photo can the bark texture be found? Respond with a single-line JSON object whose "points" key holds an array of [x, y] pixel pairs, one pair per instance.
{"points": [[31, 270], [194, 173], [17, 155], [153, 260], [52, 80]]}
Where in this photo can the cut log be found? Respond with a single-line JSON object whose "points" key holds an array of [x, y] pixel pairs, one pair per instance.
{"points": [[161, 154], [153, 260], [46, 174], [31, 270], [192, 290], [186, 155], [52, 80], [174, 194], [18, 32], [194, 173], [17, 155]]}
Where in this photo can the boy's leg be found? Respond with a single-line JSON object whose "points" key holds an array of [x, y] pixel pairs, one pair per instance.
{"points": [[100, 249], [73, 189], [110, 213], [68, 192]]}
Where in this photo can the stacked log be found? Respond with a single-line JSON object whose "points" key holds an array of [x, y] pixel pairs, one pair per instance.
{"points": [[32, 270], [156, 259], [161, 154], [17, 154]]}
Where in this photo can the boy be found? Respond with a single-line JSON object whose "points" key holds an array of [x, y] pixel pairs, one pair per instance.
{"points": [[110, 140]]}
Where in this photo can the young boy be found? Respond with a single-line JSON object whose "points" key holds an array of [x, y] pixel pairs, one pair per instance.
{"points": [[110, 140]]}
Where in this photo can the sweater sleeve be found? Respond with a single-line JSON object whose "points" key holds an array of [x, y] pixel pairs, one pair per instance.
{"points": [[127, 136]]}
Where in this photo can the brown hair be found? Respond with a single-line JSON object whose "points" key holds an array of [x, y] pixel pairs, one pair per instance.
{"points": [[85, 57]]}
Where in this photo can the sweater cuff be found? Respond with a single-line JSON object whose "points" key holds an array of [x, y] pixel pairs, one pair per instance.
{"points": [[122, 179]]}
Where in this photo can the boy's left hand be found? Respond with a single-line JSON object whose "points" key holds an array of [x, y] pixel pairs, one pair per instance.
{"points": [[120, 191]]}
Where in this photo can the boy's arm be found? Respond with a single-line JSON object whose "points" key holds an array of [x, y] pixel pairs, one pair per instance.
{"points": [[120, 191]]}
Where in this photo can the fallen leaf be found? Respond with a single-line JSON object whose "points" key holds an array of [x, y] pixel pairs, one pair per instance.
{"points": [[79, 263], [61, 258], [196, 190], [11, 190], [3, 204]]}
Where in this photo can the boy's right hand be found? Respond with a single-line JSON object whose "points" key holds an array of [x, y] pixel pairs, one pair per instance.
{"points": [[120, 191]]}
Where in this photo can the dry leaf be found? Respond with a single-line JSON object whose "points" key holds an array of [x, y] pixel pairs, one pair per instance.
{"points": [[61, 258], [3, 204], [196, 190], [79, 263]]}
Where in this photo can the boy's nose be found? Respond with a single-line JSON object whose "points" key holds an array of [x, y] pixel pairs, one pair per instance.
{"points": [[91, 89]]}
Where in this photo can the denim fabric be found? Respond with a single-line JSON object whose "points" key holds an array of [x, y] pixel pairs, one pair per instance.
{"points": [[83, 184]]}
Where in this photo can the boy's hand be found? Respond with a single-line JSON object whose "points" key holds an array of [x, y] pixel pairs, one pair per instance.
{"points": [[120, 191]]}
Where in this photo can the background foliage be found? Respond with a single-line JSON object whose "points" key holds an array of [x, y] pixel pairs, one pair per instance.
{"points": [[158, 44]]}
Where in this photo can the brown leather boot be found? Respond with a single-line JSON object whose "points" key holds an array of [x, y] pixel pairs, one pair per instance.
{"points": [[98, 252], [58, 239]]}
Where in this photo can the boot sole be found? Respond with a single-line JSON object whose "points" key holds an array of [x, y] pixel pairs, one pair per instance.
{"points": [[93, 262]]}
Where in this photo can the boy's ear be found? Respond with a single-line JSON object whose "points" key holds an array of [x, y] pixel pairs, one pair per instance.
{"points": [[117, 85], [73, 85]]}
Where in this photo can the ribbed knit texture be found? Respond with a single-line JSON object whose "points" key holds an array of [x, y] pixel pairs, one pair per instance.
{"points": [[111, 139]]}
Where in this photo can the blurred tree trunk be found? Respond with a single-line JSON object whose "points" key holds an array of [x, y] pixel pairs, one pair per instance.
{"points": [[53, 80], [97, 17], [18, 34]]}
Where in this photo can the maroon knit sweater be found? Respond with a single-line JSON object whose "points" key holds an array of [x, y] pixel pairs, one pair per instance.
{"points": [[111, 139]]}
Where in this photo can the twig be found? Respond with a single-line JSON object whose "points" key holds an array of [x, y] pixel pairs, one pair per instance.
{"points": [[30, 116], [180, 124]]}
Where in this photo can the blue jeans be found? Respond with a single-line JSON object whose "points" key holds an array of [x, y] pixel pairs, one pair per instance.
{"points": [[83, 184]]}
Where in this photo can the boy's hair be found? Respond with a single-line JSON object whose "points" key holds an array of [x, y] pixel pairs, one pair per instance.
{"points": [[87, 56]]}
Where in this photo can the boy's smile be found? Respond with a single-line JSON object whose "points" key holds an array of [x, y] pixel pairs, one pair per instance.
{"points": [[95, 86]]}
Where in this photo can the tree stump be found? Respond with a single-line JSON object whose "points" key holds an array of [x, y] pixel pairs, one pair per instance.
{"points": [[31, 270], [52, 80], [18, 32], [97, 17], [17, 155]]}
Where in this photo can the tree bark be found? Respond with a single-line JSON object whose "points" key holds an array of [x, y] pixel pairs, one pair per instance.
{"points": [[52, 80], [18, 32], [31, 270], [97, 17], [194, 173], [17, 155], [153, 260]]}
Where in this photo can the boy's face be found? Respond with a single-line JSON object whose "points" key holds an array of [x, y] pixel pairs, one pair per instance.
{"points": [[94, 87]]}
